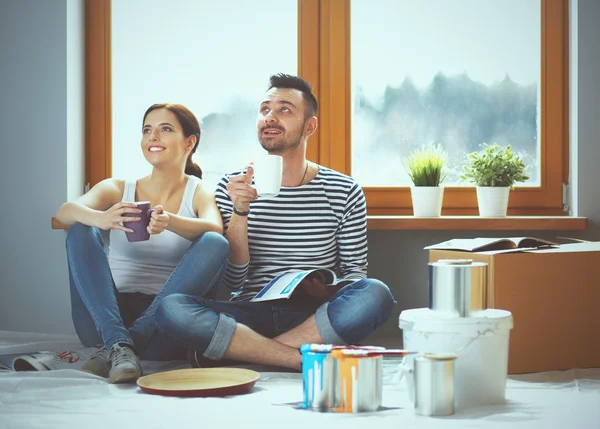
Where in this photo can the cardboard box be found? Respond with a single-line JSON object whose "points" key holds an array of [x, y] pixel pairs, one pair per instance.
{"points": [[554, 297]]}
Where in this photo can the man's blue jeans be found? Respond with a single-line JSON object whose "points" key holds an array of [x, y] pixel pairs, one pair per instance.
{"points": [[96, 304], [206, 326]]}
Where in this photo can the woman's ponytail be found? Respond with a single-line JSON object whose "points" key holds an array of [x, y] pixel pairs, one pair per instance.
{"points": [[192, 168]]}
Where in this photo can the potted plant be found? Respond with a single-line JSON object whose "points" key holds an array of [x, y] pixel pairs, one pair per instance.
{"points": [[425, 168], [494, 171]]}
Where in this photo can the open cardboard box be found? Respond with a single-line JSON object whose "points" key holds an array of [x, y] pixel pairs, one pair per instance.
{"points": [[554, 297]]}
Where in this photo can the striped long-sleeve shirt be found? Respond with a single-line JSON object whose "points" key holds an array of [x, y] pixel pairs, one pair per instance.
{"points": [[322, 224]]}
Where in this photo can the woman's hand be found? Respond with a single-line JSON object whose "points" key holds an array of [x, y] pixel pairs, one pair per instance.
{"points": [[112, 218], [159, 220], [241, 191]]}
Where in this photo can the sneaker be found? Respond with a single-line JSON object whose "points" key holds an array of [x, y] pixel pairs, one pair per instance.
{"points": [[98, 364], [124, 364]]}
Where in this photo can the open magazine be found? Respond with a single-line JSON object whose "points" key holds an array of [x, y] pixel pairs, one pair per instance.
{"points": [[46, 361], [488, 244], [283, 285]]}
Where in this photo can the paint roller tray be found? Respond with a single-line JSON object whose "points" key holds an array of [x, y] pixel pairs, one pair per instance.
{"points": [[200, 382]]}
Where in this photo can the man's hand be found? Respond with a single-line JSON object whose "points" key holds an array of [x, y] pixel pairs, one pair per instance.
{"points": [[159, 219], [241, 191], [314, 286]]}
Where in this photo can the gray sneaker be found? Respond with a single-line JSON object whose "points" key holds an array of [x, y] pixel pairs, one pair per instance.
{"points": [[98, 364], [125, 366]]}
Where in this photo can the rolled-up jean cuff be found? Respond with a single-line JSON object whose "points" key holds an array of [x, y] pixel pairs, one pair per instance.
{"points": [[122, 341], [221, 338], [325, 328]]}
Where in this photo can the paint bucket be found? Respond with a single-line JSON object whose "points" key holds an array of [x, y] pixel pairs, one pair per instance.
{"points": [[316, 375], [457, 287], [480, 343], [434, 384], [356, 380]]}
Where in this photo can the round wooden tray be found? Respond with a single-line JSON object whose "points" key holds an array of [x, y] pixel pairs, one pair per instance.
{"points": [[200, 382]]}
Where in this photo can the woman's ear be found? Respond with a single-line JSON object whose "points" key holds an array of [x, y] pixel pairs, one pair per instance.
{"points": [[191, 142]]}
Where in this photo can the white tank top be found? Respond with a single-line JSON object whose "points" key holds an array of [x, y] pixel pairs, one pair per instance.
{"points": [[145, 266]]}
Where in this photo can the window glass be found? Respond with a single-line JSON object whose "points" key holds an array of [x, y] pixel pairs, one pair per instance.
{"points": [[459, 73], [213, 57]]}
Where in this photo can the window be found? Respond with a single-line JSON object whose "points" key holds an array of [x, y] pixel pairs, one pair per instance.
{"points": [[205, 57], [335, 42], [431, 80]]}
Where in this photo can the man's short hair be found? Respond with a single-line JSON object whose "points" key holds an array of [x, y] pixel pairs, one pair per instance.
{"points": [[282, 80]]}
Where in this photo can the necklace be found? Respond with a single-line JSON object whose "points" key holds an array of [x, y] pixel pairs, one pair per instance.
{"points": [[303, 177]]}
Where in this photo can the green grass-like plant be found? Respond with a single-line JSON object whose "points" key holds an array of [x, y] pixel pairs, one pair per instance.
{"points": [[425, 165], [494, 166]]}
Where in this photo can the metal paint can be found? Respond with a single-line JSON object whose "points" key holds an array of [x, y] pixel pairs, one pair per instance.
{"points": [[356, 380], [434, 384], [457, 286], [316, 375]]}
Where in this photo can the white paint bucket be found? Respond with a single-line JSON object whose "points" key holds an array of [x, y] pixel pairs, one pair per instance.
{"points": [[480, 343]]}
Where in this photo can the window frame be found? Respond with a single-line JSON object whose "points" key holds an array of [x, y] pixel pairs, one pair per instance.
{"points": [[324, 60]]}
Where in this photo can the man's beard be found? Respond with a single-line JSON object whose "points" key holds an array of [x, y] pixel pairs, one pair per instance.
{"points": [[279, 146]]}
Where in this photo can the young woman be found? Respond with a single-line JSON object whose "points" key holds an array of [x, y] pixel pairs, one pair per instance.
{"points": [[115, 291]]}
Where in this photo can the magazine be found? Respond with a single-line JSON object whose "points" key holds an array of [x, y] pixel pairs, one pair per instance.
{"points": [[46, 361], [488, 244], [283, 286]]}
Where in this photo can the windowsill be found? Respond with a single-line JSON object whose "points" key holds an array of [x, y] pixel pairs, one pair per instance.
{"points": [[511, 223]]}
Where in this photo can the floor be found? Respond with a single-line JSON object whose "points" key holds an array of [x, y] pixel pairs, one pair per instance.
{"points": [[70, 398]]}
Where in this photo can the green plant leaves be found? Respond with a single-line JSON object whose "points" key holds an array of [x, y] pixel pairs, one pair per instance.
{"points": [[494, 166], [425, 165]]}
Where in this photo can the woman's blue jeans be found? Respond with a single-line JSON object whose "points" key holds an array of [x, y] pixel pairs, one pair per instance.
{"points": [[96, 304], [206, 325]]}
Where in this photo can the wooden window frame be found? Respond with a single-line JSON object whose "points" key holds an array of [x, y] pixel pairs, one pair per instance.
{"points": [[324, 60]]}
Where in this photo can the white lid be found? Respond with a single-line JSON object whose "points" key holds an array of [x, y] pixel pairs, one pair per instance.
{"points": [[426, 320], [457, 263], [437, 356]]}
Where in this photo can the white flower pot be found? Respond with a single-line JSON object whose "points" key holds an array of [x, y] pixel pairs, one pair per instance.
{"points": [[427, 200], [492, 200]]}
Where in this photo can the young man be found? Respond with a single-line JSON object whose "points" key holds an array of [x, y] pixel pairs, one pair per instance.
{"points": [[318, 220]]}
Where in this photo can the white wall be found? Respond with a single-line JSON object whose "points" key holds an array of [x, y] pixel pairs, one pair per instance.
{"points": [[587, 123], [36, 134], [39, 126], [75, 98]]}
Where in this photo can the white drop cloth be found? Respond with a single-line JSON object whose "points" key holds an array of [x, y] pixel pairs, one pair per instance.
{"points": [[73, 399]]}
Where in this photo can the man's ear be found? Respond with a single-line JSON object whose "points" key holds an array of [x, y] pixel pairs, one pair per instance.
{"points": [[312, 126]]}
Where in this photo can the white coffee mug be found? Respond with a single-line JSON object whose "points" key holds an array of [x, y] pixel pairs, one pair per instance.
{"points": [[267, 175]]}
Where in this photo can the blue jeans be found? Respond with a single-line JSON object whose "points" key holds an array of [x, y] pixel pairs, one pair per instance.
{"points": [[97, 305], [206, 326]]}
